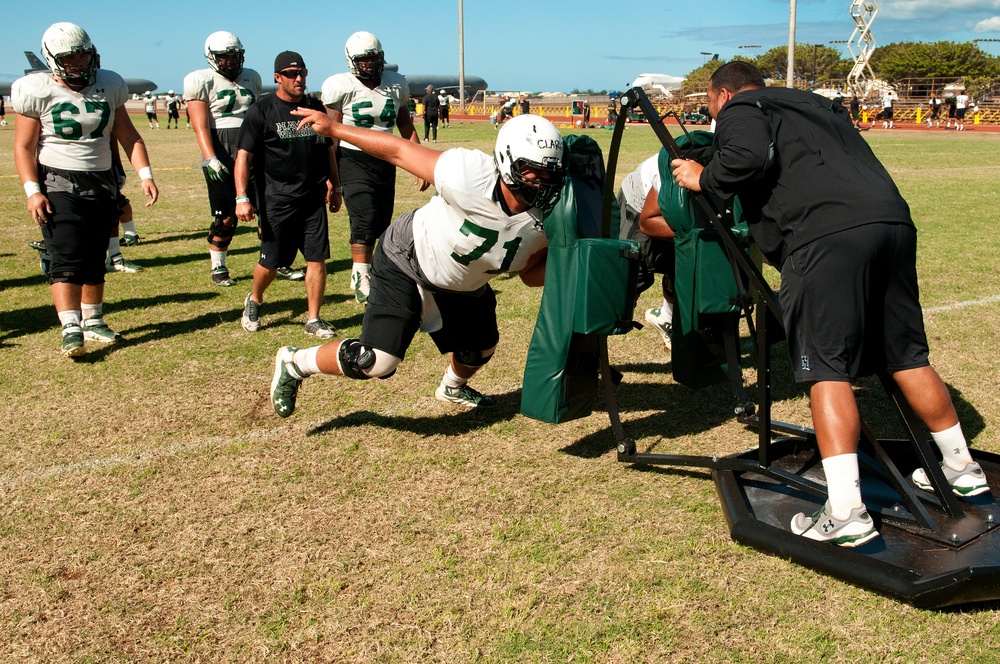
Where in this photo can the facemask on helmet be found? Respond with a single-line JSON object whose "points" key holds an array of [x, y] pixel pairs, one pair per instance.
{"points": [[531, 141], [363, 46], [224, 52], [66, 39]]}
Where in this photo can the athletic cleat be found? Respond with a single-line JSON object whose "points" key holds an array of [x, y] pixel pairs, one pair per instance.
{"points": [[285, 383], [320, 328], [465, 396], [117, 263], [38, 245], [220, 276], [822, 526], [72, 340], [664, 328], [251, 314], [965, 483], [361, 285], [129, 239], [292, 274], [95, 329]]}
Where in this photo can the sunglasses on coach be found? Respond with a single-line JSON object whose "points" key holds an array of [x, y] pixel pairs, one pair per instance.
{"points": [[294, 73]]}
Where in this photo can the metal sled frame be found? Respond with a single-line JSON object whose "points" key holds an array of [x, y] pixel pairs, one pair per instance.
{"points": [[935, 549]]}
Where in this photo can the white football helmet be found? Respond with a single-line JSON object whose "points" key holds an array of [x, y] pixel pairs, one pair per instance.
{"points": [[531, 141], [364, 45], [62, 39], [222, 44]]}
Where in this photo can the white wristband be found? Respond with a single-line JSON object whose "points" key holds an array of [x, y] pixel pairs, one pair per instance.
{"points": [[145, 173], [32, 188]]}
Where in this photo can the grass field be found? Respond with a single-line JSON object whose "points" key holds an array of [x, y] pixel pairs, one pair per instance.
{"points": [[152, 507]]}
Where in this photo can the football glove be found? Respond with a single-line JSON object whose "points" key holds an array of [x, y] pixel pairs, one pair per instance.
{"points": [[215, 168]]}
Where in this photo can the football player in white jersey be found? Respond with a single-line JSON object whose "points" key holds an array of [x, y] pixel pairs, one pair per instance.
{"points": [[151, 110], [62, 153], [369, 97], [432, 267], [216, 100]]}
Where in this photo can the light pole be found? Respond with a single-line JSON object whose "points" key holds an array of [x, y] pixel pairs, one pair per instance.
{"points": [[461, 58], [790, 72], [706, 54]]}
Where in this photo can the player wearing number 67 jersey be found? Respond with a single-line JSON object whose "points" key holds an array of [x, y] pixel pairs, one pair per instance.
{"points": [[370, 97], [62, 152], [432, 266], [217, 98]]}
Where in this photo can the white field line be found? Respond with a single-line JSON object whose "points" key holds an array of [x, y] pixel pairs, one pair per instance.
{"points": [[961, 305]]}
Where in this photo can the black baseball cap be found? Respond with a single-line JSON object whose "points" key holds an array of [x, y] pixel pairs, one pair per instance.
{"points": [[288, 59]]}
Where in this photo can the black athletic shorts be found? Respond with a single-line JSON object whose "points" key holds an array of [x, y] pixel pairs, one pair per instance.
{"points": [[960, 113], [369, 186], [851, 304], [150, 116], [76, 237], [222, 195], [288, 229], [887, 113], [394, 309]]}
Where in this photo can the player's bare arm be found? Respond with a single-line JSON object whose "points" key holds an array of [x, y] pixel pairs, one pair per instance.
{"points": [[651, 221], [406, 129], [241, 174], [533, 273], [26, 133], [412, 157]]}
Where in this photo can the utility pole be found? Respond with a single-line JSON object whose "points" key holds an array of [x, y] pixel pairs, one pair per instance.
{"points": [[791, 46], [461, 58]]}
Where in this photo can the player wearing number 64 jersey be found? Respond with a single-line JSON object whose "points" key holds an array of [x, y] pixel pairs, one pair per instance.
{"points": [[432, 266], [367, 96]]}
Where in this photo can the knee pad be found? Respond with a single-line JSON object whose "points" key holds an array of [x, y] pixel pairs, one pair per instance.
{"points": [[474, 358], [218, 229], [362, 363]]}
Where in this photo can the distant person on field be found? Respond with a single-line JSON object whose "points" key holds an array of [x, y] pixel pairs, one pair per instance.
{"points": [[961, 106], [934, 106], [432, 108], [173, 109], [950, 102], [887, 99], [217, 99], [525, 106], [823, 209], [856, 111], [3, 112], [586, 114], [151, 110], [296, 176], [445, 102]]}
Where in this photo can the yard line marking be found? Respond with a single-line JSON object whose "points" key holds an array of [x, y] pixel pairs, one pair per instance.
{"points": [[961, 305]]}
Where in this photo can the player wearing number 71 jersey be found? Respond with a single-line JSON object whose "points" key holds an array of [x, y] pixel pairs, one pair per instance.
{"points": [[217, 98], [432, 266]]}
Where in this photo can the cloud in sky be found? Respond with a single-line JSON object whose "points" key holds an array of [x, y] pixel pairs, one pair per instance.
{"points": [[991, 24]]}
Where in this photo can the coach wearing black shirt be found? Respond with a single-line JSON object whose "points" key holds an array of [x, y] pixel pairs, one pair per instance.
{"points": [[296, 173], [825, 211], [432, 105]]}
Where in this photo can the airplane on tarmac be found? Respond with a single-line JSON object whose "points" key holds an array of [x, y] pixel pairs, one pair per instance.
{"points": [[446, 82], [136, 86], [661, 83]]}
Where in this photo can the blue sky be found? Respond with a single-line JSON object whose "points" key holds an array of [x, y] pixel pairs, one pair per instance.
{"points": [[531, 45]]}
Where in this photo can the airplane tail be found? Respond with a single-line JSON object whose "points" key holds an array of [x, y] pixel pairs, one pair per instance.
{"points": [[34, 63]]}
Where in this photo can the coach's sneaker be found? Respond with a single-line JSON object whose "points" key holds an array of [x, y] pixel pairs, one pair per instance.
{"points": [[965, 483], [465, 396], [822, 526], [129, 239], [220, 276], [38, 245], [95, 329], [292, 274], [72, 340], [285, 383], [361, 285], [251, 314], [662, 326], [117, 263], [320, 328]]}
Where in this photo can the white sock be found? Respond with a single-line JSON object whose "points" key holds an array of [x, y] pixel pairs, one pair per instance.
{"points": [[843, 484], [218, 258], [452, 379], [953, 446], [305, 361], [129, 227], [361, 268], [667, 311], [92, 310], [69, 317]]}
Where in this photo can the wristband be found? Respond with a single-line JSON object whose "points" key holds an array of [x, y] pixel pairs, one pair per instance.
{"points": [[242, 199], [32, 188], [339, 190], [145, 173]]}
